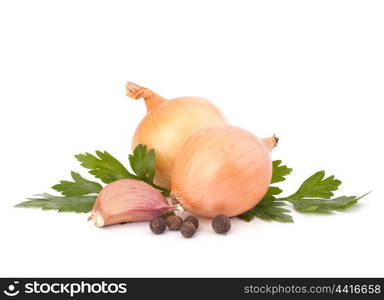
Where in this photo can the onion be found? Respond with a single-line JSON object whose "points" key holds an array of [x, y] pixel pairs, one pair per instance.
{"points": [[168, 124], [222, 170], [128, 200]]}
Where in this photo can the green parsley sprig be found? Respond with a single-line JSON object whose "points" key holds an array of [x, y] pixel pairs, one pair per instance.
{"points": [[313, 196], [80, 194], [79, 186], [107, 168], [78, 204]]}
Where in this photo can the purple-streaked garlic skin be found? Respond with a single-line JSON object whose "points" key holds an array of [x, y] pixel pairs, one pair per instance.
{"points": [[128, 200]]}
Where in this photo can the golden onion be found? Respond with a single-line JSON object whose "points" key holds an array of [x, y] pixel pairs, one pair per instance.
{"points": [[168, 124], [222, 170]]}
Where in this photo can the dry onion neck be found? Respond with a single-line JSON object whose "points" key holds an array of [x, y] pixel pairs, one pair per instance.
{"points": [[271, 142], [136, 91]]}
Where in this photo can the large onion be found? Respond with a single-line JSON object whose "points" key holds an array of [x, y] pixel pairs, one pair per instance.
{"points": [[222, 170], [168, 124]]}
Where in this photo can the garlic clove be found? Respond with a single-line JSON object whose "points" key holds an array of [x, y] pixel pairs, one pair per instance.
{"points": [[128, 200]]}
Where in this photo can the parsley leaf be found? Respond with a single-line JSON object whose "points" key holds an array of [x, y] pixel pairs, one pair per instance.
{"points": [[79, 204], [104, 166], [272, 191], [279, 172], [316, 205], [143, 163], [317, 186], [269, 209], [313, 196], [80, 186], [107, 168]]}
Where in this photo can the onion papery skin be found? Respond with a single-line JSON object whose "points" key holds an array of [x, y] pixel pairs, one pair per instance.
{"points": [[222, 170], [168, 124], [128, 200]]}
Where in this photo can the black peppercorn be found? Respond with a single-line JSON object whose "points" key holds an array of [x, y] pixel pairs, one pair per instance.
{"points": [[193, 220], [188, 229], [157, 225], [221, 224], [174, 222]]}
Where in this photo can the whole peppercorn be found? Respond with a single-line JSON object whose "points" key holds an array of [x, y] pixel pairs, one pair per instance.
{"points": [[221, 224], [188, 229], [157, 225], [193, 220], [174, 222]]}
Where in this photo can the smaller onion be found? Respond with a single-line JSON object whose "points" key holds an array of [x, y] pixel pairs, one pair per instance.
{"points": [[128, 200]]}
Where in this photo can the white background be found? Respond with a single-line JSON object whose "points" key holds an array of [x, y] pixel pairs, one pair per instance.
{"points": [[310, 71]]}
